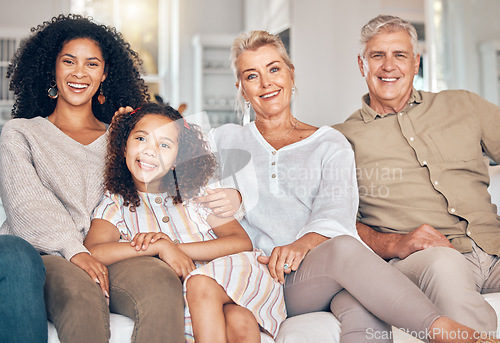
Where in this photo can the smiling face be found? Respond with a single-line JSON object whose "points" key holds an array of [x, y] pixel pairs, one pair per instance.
{"points": [[266, 80], [79, 72], [389, 67], [151, 151]]}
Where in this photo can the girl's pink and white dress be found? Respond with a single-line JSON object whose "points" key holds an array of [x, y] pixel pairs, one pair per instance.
{"points": [[246, 281]]}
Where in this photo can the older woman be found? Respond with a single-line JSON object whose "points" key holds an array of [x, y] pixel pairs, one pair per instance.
{"points": [[299, 188]]}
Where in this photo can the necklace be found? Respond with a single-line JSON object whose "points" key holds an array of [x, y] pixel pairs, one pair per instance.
{"points": [[282, 137]]}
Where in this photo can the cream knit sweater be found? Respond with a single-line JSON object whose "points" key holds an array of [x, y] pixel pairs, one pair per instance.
{"points": [[49, 185]]}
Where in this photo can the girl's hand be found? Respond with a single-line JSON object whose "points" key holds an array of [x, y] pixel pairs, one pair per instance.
{"points": [[224, 202], [142, 240], [289, 256], [175, 258], [96, 270]]}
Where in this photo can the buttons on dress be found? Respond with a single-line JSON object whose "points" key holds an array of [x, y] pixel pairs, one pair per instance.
{"points": [[274, 152], [273, 176], [469, 233], [412, 139], [452, 210], [424, 162], [165, 219], [158, 200], [274, 163], [436, 183]]}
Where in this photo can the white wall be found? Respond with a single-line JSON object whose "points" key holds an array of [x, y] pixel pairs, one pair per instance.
{"points": [[324, 48], [471, 22], [203, 17], [25, 14]]}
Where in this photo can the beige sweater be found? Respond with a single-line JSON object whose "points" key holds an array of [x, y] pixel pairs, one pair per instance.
{"points": [[49, 185]]}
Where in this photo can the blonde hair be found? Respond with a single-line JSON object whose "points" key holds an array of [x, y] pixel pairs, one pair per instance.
{"points": [[391, 24], [252, 41]]}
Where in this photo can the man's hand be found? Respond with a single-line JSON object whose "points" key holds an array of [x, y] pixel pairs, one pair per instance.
{"points": [[390, 245], [423, 237]]}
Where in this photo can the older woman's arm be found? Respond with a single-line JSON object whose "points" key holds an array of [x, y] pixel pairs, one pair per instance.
{"points": [[333, 211], [225, 201]]}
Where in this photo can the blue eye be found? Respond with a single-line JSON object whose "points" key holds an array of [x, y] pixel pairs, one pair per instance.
{"points": [[164, 145], [274, 69], [251, 77], [141, 139]]}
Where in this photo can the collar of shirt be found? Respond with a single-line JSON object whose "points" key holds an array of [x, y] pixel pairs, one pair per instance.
{"points": [[369, 114]]}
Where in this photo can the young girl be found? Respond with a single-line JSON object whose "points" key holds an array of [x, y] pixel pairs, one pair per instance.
{"points": [[157, 164]]}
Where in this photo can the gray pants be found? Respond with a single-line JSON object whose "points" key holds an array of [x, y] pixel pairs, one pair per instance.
{"points": [[145, 289], [375, 292], [454, 281]]}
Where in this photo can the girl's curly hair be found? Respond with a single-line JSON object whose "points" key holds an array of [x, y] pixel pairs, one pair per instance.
{"points": [[33, 66], [195, 166]]}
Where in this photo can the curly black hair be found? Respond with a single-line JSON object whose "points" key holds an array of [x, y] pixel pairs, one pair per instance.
{"points": [[33, 67], [197, 164]]}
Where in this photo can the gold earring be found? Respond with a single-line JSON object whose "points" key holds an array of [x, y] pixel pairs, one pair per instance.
{"points": [[101, 98], [52, 91]]}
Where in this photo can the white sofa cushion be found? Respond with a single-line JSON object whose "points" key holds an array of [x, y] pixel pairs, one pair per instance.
{"points": [[121, 329]]}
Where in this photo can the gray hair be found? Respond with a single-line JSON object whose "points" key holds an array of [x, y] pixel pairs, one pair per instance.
{"points": [[386, 23], [252, 41]]}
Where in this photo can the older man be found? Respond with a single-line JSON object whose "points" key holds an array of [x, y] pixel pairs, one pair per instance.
{"points": [[424, 203]]}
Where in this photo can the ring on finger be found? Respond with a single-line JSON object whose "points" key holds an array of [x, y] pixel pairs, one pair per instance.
{"points": [[286, 266]]}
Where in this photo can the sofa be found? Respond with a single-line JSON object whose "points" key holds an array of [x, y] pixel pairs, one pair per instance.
{"points": [[312, 327]]}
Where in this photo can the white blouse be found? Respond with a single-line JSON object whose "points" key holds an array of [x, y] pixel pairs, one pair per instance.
{"points": [[307, 186]]}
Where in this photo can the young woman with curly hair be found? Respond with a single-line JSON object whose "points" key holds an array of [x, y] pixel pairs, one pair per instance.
{"points": [[157, 164], [68, 78]]}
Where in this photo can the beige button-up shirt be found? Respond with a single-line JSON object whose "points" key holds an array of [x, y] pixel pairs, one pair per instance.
{"points": [[425, 165]]}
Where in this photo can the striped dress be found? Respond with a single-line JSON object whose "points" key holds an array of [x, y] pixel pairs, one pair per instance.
{"points": [[246, 281]]}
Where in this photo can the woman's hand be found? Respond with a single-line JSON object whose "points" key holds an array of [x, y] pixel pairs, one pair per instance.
{"points": [[120, 111], [142, 240], [175, 258], [284, 260], [123, 110], [224, 202], [96, 270]]}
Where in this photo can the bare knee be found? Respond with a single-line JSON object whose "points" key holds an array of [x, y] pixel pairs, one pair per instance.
{"points": [[201, 287], [241, 324]]}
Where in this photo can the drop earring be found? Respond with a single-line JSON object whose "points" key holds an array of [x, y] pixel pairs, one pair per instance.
{"points": [[246, 113], [293, 90], [52, 92], [101, 98]]}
